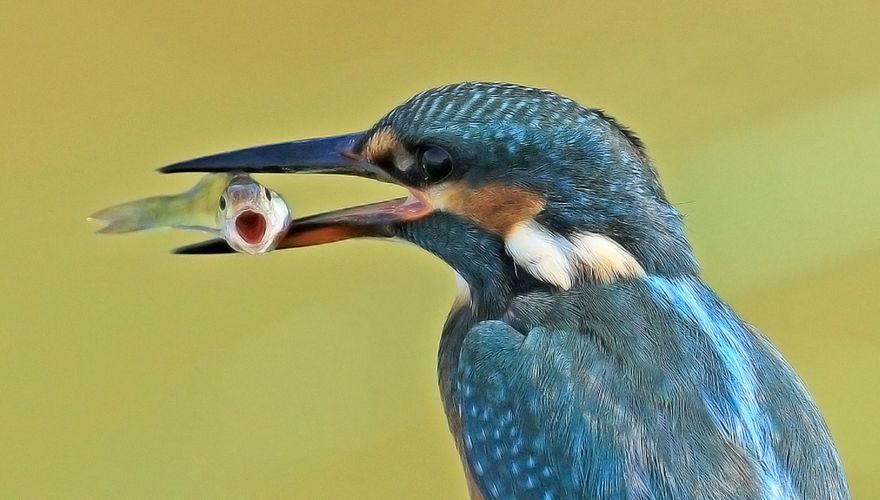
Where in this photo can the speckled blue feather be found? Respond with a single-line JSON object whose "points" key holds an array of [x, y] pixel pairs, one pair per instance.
{"points": [[647, 387], [651, 389]]}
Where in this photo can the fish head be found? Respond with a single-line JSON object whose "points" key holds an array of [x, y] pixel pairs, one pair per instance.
{"points": [[253, 218]]}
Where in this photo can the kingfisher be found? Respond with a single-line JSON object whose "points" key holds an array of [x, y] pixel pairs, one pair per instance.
{"points": [[584, 356]]}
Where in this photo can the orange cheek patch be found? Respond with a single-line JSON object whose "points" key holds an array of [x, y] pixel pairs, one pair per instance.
{"points": [[381, 145], [495, 207]]}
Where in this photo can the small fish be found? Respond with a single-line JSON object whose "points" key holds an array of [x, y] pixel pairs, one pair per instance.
{"points": [[249, 216], [252, 217]]}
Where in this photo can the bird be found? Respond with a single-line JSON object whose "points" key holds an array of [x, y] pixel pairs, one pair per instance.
{"points": [[583, 356]]}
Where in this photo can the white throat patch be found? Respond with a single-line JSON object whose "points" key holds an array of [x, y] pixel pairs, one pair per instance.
{"points": [[561, 261], [463, 293]]}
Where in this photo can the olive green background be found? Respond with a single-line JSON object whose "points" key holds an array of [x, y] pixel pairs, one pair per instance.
{"points": [[126, 372]]}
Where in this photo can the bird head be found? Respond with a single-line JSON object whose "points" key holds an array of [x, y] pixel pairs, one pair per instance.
{"points": [[512, 186]]}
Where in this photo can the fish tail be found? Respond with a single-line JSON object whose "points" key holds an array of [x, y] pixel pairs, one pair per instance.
{"points": [[132, 216]]}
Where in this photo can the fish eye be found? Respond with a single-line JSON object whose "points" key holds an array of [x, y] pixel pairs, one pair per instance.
{"points": [[268, 194], [436, 162], [223, 203]]}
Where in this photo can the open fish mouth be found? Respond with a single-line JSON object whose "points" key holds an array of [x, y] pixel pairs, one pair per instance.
{"points": [[251, 226]]}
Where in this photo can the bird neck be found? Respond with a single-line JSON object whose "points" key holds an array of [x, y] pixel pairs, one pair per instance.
{"points": [[479, 258], [492, 276]]}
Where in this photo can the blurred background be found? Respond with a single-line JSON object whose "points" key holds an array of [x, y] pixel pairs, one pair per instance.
{"points": [[126, 372]]}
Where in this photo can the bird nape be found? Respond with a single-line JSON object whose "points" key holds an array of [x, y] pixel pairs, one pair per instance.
{"points": [[584, 356]]}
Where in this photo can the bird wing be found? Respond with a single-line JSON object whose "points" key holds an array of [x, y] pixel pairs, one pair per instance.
{"points": [[534, 426], [554, 413]]}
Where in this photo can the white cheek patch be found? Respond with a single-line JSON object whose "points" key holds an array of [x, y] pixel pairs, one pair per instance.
{"points": [[561, 261], [541, 253], [605, 259]]}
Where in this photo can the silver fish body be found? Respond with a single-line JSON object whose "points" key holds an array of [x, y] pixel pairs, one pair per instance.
{"points": [[249, 216]]}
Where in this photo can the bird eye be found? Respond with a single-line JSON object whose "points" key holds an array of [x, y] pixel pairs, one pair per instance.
{"points": [[222, 203], [436, 163], [268, 194]]}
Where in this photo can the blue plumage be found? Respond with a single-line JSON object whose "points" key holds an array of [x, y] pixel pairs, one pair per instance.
{"points": [[735, 409], [584, 357], [651, 389]]}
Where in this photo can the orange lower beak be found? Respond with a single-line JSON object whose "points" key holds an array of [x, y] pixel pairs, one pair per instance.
{"points": [[373, 220]]}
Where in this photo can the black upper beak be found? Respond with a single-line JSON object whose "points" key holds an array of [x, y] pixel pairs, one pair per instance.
{"points": [[332, 155]]}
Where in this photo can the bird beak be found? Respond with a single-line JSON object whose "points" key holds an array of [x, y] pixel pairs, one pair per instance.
{"points": [[330, 155]]}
